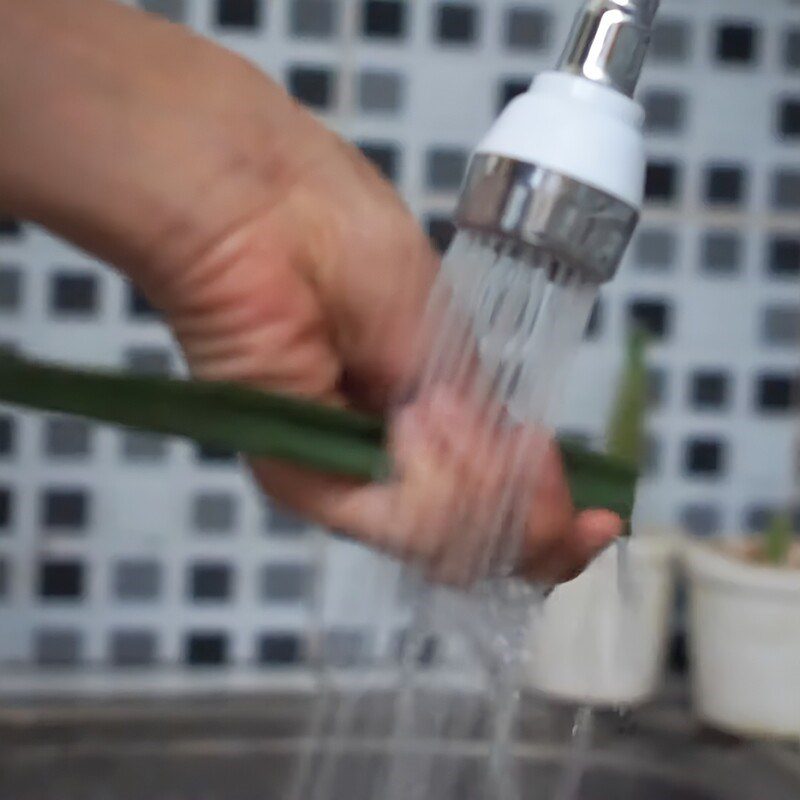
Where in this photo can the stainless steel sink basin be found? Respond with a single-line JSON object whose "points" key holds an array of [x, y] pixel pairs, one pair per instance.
{"points": [[246, 748], [231, 771]]}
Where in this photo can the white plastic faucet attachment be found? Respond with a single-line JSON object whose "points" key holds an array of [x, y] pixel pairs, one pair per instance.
{"points": [[563, 166]]}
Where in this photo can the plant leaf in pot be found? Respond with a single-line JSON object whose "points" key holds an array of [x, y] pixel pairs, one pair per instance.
{"points": [[779, 537], [744, 603]]}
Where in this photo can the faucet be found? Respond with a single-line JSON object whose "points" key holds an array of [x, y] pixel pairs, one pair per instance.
{"points": [[562, 168]]}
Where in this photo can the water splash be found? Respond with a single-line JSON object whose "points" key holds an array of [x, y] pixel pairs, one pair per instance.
{"points": [[570, 785], [470, 441]]}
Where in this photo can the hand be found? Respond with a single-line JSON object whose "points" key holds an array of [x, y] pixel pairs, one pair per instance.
{"points": [[277, 253]]}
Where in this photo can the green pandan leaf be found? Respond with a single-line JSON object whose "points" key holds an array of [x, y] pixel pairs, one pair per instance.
{"points": [[216, 414], [599, 481], [261, 424]]}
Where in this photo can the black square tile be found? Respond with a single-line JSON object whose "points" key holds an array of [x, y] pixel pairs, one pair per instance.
{"points": [[138, 306], [313, 86], [6, 508], [456, 23], [10, 228], [242, 14], [725, 185], [789, 118], [73, 293], [65, 508], [705, 457], [61, 580], [8, 435], [783, 257], [654, 317], [384, 19], [385, 156], [736, 43], [777, 392], [210, 581], [791, 49], [216, 456], [509, 89], [662, 181], [206, 649], [710, 389], [441, 231], [280, 649]]}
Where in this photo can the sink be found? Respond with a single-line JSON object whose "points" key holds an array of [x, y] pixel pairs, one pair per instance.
{"points": [[247, 748], [230, 771]]}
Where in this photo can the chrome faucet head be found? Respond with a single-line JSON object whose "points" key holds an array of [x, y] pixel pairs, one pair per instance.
{"points": [[609, 41], [562, 169]]}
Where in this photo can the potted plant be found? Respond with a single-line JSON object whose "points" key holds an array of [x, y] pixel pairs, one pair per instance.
{"points": [[601, 638], [744, 626]]}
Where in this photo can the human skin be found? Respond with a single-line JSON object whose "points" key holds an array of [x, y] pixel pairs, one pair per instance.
{"points": [[277, 253]]}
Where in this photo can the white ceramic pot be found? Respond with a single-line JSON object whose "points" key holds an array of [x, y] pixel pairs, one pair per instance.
{"points": [[744, 643], [601, 638]]}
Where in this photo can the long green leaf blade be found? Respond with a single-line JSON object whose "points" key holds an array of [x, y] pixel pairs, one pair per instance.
{"points": [[335, 441], [222, 415]]}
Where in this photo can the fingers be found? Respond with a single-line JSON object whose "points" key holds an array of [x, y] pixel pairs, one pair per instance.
{"points": [[475, 491], [573, 549], [559, 543], [425, 518], [361, 511]]}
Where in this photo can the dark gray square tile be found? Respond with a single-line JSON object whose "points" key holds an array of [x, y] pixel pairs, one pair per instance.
{"points": [[528, 28], [10, 288], [173, 10], [137, 580], [132, 648], [57, 647], [317, 19], [287, 583], [380, 91], [66, 437]]}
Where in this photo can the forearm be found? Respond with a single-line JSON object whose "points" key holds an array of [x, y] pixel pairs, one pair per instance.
{"points": [[122, 132]]}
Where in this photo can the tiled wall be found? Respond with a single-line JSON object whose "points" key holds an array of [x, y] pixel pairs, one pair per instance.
{"points": [[131, 549]]}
